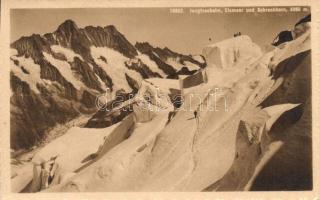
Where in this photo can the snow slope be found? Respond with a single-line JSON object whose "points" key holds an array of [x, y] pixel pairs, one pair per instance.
{"points": [[276, 111], [115, 67], [151, 64], [170, 158], [188, 154], [74, 146], [32, 76], [174, 62], [68, 53], [23, 177], [65, 69], [199, 58], [191, 66], [157, 90], [176, 160], [289, 49]]}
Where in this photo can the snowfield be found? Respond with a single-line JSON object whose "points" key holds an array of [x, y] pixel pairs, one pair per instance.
{"points": [[171, 154], [32, 74], [289, 49], [65, 69], [151, 64], [86, 143], [184, 155], [115, 67], [174, 62], [199, 58], [276, 111], [191, 66], [68, 53], [166, 148]]}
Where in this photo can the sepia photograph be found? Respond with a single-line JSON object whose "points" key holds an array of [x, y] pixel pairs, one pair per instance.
{"points": [[160, 99]]}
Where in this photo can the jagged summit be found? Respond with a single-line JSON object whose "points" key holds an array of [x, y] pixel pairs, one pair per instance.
{"points": [[166, 54], [77, 64], [69, 35], [31, 46], [111, 28], [68, 25], [161, 52]]}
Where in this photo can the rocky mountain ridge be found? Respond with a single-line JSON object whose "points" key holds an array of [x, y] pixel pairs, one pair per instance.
{"points": [[58, 75]]}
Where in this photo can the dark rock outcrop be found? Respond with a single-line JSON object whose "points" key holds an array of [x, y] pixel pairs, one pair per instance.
{"points": [[147, 49], [103, 75], [132, 83], [110, 37], [31, 46], [104, 119], [32, 114], [70, 36], [186, 71], [284, 36], [296, 87], [143, 69], [193, 80], [88, 99], [160, 56], [112, 113], [304, 20], [166, 53], [87, 75], [291, 167], [50, 72]]}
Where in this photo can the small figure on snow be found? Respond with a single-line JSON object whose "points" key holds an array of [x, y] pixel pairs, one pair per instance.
{"points": [[196, 117], [237, 34]]}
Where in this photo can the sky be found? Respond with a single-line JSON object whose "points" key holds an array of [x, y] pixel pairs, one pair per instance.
{"points": [[185, 33]]}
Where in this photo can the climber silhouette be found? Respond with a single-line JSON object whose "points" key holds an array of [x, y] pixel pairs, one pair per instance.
{"points": [[237, 34], [196, 117]]}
